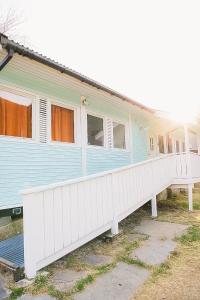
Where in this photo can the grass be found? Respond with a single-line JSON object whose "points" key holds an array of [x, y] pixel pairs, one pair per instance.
{"points": [[137, 262], [40, 281], [80, 285], [192, 235], [160, 269], [178, 277], [16, 292]]}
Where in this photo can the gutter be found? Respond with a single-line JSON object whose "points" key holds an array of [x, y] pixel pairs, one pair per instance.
{"points": [[24, 51]]}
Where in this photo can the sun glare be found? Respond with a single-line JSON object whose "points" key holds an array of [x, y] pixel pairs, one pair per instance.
{"points": [[182, 115]]}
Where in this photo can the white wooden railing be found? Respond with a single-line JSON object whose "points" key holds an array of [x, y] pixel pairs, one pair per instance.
{"points": [[61, 217]]}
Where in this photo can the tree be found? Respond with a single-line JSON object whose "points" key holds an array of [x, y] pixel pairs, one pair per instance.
{"points": [[10, 22]]}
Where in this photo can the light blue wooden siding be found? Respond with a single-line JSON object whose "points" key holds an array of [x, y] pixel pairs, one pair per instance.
{"points": [[101, 159], [26, 164], [139, 141]]}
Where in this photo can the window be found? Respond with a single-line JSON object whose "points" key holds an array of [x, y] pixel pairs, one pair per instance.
{"points": [[62, 124], [119, 136], [16, 117], [183, 147], [177, 147], [95, 130], [161, 143], [151, 143], [169, 144]]}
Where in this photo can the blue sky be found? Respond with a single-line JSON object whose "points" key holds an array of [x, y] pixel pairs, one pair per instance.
{"points": [[148, 50]]}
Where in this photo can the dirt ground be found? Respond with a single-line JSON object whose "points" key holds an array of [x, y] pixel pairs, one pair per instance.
{"points": [[180, 276]]}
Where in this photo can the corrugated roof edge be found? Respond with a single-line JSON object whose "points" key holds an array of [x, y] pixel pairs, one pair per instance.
{"points": [[22, 50]]}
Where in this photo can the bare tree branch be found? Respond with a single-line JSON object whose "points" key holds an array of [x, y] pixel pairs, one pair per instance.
{"points": [[10, 22]]}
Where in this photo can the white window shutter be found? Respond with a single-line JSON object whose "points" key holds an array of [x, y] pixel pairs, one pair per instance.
{"points": [[43, 121], [109, 125]]}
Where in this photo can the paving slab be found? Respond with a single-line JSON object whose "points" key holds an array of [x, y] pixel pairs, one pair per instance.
{"points": [[65, 280], [40, 297], [97, 260], [135, 237], [120, 283], [162, 230], [154, 251], [4, 293]]}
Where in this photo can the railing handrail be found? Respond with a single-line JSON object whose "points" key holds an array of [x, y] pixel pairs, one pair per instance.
{"points": [[93, 176]]}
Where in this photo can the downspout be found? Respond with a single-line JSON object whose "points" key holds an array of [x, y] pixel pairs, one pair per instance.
{"points": [[10, 51], [6, 59]]}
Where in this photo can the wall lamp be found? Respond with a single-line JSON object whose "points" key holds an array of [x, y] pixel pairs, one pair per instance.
{"points": [[84, 101]]}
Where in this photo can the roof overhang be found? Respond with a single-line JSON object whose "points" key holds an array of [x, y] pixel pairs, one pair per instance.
{"points": [[22, 50]]}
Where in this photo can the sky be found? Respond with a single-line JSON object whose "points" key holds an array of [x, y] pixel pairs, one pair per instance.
{"points": [[148, 50]]}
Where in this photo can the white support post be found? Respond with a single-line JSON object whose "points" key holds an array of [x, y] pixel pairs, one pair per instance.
{"points": [[190, 197], [84, 139], [115, 227], [187, 150], [154, 207]]}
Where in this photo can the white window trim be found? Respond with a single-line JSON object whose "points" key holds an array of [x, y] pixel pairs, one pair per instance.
{"points": [[76, 123], [151, 146], [8, 94], [127, 137], [94, 114]]}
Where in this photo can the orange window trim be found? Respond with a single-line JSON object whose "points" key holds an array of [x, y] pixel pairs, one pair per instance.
{"points": [[15, 119], [62, 124]]}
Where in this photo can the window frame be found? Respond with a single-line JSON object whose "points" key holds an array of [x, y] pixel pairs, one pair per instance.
{"points": [[151, 145], [7, 93], [97, 115], [126, 135], [69, 107]]}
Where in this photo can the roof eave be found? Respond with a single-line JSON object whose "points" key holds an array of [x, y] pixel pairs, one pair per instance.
{"points": [[9, 44]]}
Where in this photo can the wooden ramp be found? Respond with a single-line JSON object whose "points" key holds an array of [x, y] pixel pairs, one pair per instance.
{"points": [[12, 255]]}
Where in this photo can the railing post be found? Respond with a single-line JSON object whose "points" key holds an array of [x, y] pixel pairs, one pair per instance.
{"points": [[187, 150], [154, 207], [115, 226], [189, 168], [29, 259]]}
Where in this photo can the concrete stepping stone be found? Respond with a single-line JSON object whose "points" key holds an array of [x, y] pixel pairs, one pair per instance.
{"points": [[161, 229], [65, 280], [154, 251], [97, 260], [4, 293], [120, 283], [135, 237], [40, 297]]}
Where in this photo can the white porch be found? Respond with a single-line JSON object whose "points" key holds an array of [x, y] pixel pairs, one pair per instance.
{"points": [[61, 217]]}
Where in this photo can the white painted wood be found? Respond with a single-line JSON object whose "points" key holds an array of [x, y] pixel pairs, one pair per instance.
{"points": [[154, 207], [60, 217], [83, 127]]}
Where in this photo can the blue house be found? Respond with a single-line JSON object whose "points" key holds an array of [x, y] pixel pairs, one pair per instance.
{"points": [[79, 156], [56, 124]]}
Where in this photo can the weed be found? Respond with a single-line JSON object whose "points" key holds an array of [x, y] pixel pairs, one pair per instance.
{"points": [[80, 285], [136, 261], [192, 235], [55, 293], [131, 246], [161, 269], [103, 269], [16, 292], [40, 281]]}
